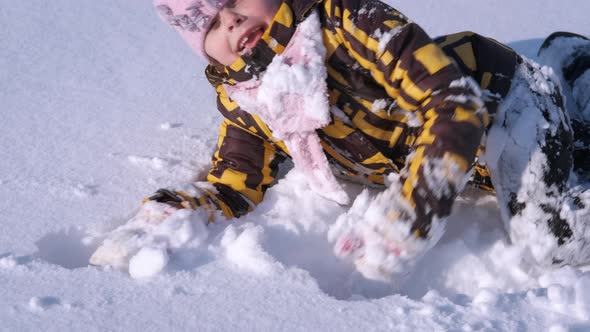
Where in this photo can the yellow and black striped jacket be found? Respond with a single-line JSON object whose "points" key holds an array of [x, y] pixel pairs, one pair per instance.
{"points": [[395, 105]]}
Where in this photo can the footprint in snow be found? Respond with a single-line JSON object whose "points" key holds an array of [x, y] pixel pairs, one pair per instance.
{"points": [[68, 248]]}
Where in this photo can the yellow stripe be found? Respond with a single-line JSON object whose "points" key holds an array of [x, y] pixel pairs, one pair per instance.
{"points": [[328, 5], [486, 79], [265, 130], [225, 210], [426, 137], [371, 44], [378, 158], [401, 101], [330, 42], [432, 58], [337, 12], [284, 15], [336, 155], [376, 178], [457, 159], [482, 170], [410, 140], [360, 35], [398, 72], [454, 38], [381, 113], [465, 52], [237, 181], [463, 115], [378, 75], [386, 58], [337, 76], [333, 96], [220, 137], [337, 130], [227, 103], [269, 153], [395, 135], [392, 24], [413, 90], [410, 183], [238, 65], [369, 129], [273, 44]]}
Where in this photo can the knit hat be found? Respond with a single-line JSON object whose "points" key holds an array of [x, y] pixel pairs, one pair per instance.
{"points": [[191, 18]]}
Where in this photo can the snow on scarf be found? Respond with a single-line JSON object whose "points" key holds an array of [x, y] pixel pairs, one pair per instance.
{"points": [[291, 97]]}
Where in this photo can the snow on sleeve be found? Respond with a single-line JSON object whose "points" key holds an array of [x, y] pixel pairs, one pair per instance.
{"points": [[385, 37]]}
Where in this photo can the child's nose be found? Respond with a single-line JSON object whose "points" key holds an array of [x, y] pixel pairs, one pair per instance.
{"points": [[231, 19]]}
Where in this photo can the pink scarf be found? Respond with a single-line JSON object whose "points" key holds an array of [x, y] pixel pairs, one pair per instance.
{"points": [[291, 97]]}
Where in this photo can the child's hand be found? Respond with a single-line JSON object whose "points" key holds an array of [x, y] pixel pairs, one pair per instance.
{"points": [[166, 222], [376, 234], [376, 256], [177, 199]]}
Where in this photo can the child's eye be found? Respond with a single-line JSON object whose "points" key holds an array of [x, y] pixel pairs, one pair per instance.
{"points": [[214, 22]]}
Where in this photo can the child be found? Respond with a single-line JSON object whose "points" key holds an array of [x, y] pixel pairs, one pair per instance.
{"points": [[352, 89]]}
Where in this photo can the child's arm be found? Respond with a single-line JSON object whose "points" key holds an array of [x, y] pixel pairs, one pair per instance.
{"points": [[421, 78], [244, 166], [245, 163]]}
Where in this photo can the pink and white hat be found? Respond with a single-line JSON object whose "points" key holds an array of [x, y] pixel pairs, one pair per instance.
{"points": [[191, 18]]}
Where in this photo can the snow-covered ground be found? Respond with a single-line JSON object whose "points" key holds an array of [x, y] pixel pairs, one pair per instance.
{"points": [[101, 104]]}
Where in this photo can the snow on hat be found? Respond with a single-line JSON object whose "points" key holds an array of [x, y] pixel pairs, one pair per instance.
{"points": [[191, 18]]}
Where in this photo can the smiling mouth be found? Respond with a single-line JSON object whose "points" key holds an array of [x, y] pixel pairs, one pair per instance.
{"points": [[249, 40]]}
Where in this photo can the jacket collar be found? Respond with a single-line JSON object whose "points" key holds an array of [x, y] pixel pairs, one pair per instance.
{"points": [[273, 42]]}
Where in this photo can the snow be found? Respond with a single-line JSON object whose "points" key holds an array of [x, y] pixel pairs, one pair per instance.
{"points": [[148, 262], [101, 104]]}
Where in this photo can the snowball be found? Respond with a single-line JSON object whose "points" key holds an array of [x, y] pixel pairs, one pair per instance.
{"points": [[147, 262]]}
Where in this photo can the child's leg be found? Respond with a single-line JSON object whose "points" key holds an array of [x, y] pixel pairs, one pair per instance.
{"points": [[569, 55], [532, 141]]}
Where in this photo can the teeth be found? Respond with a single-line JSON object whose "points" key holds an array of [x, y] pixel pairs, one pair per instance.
{"points": [[246, 39]]}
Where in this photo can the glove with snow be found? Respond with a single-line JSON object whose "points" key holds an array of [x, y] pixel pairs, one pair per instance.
{"points": [[376, 235], [166, 221], [177, 199]]}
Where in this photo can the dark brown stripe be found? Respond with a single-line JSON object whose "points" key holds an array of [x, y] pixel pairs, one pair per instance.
{"points": [[243, 152]]}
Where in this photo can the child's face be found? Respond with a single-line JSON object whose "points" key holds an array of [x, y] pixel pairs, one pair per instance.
{"points": [[238, 27]]}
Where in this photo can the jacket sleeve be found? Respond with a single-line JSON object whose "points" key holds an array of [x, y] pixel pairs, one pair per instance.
{"points": [[416, 73], [243, 167]]}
